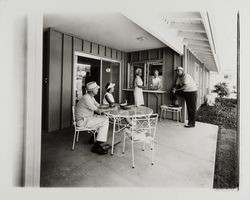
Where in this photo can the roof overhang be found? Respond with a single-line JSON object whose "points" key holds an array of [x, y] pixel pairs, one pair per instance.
{"points": [[176, 29]]}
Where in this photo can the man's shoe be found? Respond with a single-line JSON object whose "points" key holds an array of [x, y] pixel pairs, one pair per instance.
{"points": [[189, 126], [97, 148]]}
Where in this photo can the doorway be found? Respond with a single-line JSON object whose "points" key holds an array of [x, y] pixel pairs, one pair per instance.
{"points": [[111, 74], [88, 69], [94, 68]]}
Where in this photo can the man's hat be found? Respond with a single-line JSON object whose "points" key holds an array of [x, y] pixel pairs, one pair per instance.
{"points": [[91, 86], [179, 68]]}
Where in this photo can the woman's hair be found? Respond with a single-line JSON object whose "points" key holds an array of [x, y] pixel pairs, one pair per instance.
{"points": [[138, 70]]}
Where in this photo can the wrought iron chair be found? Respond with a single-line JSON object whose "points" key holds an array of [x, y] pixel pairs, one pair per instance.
{"points": [[143, 130], [79, 129]]}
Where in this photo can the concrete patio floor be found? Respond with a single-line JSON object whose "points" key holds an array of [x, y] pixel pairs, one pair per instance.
{"points": [[183, 158]]}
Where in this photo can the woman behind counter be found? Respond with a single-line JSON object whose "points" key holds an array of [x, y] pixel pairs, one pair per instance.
{"points": [[138, 84], [156, 81]]}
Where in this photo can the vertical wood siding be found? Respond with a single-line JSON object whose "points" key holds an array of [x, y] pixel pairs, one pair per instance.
{"points": [[66, 82], [58, 68], [55, 74]]}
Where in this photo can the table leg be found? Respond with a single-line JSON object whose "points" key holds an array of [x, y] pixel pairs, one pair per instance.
{"points": [[161, 115], [180, 115], [177, 117]]}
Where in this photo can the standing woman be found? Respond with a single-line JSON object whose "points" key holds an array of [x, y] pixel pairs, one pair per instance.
{"points": [[156, 81], [138, 95]]}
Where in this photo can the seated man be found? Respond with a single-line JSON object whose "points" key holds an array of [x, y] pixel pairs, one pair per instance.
{"points": [[85, 117]]}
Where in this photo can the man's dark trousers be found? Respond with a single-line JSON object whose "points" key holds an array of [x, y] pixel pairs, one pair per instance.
{"points": [[191, 101]]}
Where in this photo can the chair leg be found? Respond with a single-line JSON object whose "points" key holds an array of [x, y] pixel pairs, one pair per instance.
{"points": [[143, 147], [180, 115], [177, 117], [123, 145], [74, 140], [77, 137], [113, 138], [152, 162], [94, 136], [118, 123], [133, 159]]}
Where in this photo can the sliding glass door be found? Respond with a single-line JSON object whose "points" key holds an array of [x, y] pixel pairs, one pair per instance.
{"points": [[88, 69], [111, 73], [92, 68]]}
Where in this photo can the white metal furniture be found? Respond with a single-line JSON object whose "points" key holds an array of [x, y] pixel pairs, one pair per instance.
{"points": [[79, 129], [143, 130], [115, 115], [177, 110]]}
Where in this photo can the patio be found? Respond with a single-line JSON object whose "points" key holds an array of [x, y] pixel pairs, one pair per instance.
{"points": [[183, 158]]}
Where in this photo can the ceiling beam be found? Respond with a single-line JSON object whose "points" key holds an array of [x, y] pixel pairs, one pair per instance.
{"points": [[190, 35], [183, 20], [207, 60], [182, 15], [196, 42], [202, 52], [188, 27], [199, 48], [205, 57]]}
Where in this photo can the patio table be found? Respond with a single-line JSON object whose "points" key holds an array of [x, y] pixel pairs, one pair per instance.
{"points": [[116, 114]]}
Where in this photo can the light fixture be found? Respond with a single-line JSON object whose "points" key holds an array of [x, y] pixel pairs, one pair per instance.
{"points": [[141, 38]]}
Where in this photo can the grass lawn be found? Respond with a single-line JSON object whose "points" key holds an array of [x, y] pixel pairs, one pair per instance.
{"points": [[224, 114]]}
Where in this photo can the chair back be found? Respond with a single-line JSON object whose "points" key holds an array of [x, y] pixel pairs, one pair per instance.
{"points": [[144, 124]]}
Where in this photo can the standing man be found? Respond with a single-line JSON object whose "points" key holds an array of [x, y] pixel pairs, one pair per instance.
{"points": [[85, 117], [186, 88]]}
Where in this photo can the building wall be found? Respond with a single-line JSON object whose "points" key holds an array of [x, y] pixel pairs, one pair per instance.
{"points": [[58, 66], [200, 75], [59, 48], [170, 60]]}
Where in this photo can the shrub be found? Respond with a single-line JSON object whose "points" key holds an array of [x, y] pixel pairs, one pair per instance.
{"points": [[225, 102], [221, 89], [223, 113]]}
